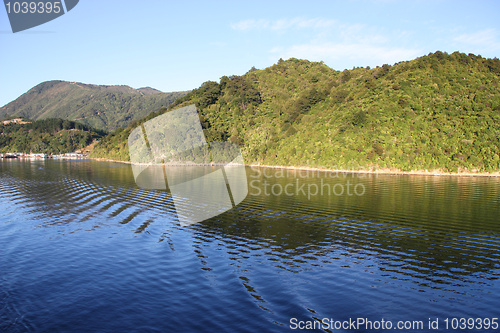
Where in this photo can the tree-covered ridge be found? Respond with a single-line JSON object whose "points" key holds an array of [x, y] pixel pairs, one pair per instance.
{"points": [[440, 111], [104, 107], [49, 136]]}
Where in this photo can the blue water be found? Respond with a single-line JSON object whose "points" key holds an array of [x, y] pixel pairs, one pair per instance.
{"points": [[83, 249]]}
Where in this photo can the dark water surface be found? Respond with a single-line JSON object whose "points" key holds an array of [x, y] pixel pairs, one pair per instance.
{"points": [[83, 249]]}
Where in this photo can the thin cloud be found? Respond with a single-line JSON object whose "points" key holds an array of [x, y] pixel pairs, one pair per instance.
{"points": [[338, 43], [247, 25], [282, 24]]}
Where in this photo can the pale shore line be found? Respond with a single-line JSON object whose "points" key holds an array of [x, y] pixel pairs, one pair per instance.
{"points": [[374, 171], [384, 171]]}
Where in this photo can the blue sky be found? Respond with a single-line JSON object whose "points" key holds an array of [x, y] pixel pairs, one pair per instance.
{"points": [[177, 45]]}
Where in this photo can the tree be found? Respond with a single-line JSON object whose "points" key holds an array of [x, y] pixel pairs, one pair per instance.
{"points": [[253, 69], [209, 94], [346, 76]]}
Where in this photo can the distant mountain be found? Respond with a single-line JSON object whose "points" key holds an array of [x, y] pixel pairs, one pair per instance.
{"points": [[99, 106], [148, 91], [439, 111]]}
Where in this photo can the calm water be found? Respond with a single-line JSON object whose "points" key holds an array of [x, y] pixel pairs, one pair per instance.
{"points": [[82, 249]]}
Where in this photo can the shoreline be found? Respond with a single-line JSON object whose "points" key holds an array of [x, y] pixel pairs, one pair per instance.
{"points": [[382, 171]]}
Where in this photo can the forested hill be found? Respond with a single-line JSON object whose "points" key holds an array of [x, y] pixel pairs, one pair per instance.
{"points": [[48, 136], [104, 107], [440, 111]]}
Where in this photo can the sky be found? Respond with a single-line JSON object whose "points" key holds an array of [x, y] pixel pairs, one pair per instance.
{"points": [[178, 45]]}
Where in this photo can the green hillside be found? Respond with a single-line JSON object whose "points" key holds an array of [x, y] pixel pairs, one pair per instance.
{"points": [[49, 136], [104, 107], [440, 111]]}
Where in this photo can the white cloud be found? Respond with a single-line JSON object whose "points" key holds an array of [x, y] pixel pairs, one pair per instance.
{"points": [[340, 44], [246, 25], [282, 24]]}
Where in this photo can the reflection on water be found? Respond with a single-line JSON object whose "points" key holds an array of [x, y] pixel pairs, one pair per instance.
{"points": [[86, 249]]}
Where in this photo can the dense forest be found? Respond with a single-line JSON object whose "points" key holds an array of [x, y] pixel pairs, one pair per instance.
{"points": [[49, 136], [440, 111]]}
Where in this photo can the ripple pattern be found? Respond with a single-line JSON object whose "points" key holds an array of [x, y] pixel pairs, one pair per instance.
{"points": [[86, 250]]}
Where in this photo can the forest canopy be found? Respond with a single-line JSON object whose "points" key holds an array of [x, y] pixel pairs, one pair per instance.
{"points": [[440, 111], [49, 136]]}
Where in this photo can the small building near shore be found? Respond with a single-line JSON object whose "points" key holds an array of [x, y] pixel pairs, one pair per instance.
{"points": [[14, 121], [38, 155]]}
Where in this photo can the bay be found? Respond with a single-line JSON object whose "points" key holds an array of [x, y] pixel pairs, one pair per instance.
{"points": [[84, 249]]}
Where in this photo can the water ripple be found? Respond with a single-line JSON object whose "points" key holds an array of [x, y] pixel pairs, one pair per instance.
{"points": [[86, 248]]}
